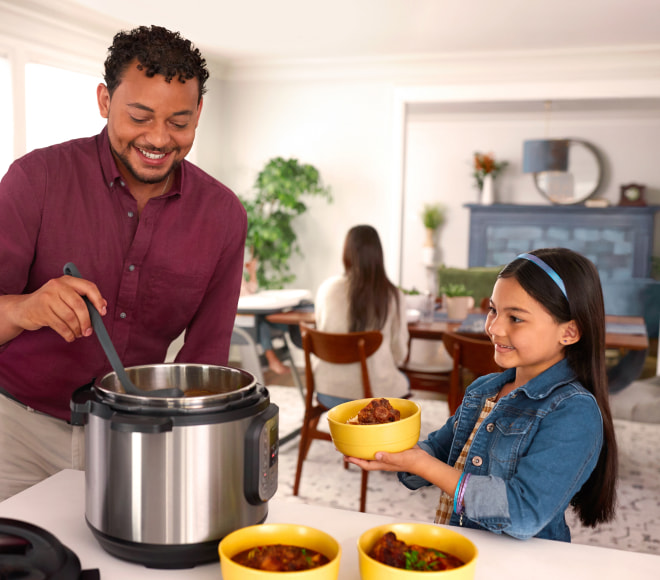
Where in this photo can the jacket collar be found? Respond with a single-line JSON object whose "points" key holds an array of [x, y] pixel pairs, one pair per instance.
{"points": [[538, 388]]}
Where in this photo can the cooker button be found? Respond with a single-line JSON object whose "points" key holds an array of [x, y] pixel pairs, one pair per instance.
{"points": [[122, 315], [477, 461]]}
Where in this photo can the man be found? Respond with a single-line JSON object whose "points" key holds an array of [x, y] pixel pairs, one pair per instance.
{"points": [[158, 242]]}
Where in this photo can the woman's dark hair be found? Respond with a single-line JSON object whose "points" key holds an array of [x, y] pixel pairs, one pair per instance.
{"points": [[369, 290], [158, 51], [595, 502]]}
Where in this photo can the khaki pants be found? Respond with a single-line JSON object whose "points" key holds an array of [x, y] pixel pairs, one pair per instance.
{"points": [[34, 446]]}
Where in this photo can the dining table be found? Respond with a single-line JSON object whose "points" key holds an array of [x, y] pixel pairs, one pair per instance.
{"points": [[57, 505], [621, 332], [626, 334]]}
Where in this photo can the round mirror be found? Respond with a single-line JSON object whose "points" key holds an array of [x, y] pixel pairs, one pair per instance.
{"points": [[581, 180]]}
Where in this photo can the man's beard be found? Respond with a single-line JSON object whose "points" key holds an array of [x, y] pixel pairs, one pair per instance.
{"points": [[141, 178]]}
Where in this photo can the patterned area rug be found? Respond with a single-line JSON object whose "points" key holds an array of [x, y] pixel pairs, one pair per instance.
{"points": [[326, 482]]}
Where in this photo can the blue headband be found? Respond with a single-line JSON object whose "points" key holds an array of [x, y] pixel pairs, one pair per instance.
{"points": [[547, 269]]}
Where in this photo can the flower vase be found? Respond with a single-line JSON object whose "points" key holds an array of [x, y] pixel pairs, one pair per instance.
{"points": [[488, 190]]}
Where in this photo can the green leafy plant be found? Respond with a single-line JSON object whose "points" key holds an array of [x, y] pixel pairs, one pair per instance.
{"points": [[271, 239], [451, 290], [433, 216]]}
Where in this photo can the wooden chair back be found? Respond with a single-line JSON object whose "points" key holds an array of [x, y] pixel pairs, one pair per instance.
{"points": [[468, 353], [353, 347]]}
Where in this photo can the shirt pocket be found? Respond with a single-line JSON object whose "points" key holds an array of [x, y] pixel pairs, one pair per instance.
{"points": [[510, 436], [170, 300]]}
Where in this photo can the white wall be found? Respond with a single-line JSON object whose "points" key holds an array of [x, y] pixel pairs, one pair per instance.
{"points": [[345, 131]]}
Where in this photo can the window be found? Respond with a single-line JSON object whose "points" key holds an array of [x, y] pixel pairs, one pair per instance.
{"points": [[60, 105], [7, 133]]}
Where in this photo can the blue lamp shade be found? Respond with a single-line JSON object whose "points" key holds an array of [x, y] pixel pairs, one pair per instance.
{"points": [[545, 155]]}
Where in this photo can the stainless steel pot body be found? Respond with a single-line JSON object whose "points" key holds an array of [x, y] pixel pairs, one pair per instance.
{"points": [[166, 479]]}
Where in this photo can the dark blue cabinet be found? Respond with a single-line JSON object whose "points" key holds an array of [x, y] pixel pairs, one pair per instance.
{"points": [[619, 240]]}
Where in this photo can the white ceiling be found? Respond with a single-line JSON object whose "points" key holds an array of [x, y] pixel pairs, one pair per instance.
{"points": [[257, 29]]}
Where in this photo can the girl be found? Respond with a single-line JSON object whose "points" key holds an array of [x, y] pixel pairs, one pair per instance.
{"points": [[529, 441], [362, 299]]}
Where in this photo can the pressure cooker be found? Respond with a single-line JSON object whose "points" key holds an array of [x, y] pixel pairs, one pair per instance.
{"points": [[167, 477]]}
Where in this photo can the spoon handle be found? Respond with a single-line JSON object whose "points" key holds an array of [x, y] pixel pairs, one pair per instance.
{"points": [[103, 336]]}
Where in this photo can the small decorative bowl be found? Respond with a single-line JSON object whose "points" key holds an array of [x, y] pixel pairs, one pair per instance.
{"points": [[363, 441], [287, 534], [427, 535]]}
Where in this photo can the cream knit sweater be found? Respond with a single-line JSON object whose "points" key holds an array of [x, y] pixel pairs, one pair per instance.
{"points": [[331, 313]]}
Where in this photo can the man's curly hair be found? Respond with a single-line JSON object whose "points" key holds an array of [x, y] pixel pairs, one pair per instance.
{"points": [[158, 51]]}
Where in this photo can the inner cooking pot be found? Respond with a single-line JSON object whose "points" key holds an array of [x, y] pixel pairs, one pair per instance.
{"points": [[204, 387], [167, 478]]}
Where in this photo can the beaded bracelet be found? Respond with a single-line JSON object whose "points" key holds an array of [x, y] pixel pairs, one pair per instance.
{"points": [[461, 493], [457, 491]]}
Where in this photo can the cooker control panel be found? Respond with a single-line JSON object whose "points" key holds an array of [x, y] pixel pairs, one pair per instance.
{"points": [[261, 455]]}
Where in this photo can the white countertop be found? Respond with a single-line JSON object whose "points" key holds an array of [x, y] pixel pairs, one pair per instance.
{"points": [[58, 506]]}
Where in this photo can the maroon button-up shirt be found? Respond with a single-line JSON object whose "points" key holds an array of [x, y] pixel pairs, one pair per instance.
{"points": [[178, 267]]}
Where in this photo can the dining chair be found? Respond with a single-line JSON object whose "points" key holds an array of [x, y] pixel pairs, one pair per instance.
{"points": [[348, 348], [474, 355], [427, 366]]}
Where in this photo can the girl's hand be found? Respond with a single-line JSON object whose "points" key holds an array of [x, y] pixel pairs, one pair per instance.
{"points": [[407, 460], [415, 461]]}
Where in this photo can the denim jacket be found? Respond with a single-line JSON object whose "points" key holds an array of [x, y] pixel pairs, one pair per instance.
{"points": [[529, 457]]}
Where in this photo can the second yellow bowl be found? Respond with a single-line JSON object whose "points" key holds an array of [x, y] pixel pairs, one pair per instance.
{"points": [[428, 535], [363, 441]]}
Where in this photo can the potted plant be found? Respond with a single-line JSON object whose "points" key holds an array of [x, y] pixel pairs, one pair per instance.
{"points": [[433, 216], [458, 300], [277, 200]]}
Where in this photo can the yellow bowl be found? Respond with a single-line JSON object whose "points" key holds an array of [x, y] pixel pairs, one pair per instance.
{"points": [[288, 534], [364, 440], [427, 535]]}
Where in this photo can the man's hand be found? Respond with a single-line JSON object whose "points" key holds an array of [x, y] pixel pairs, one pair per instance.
{"points": [[58, 304]]}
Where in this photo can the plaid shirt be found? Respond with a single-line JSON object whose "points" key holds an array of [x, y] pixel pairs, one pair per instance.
{"points": [[446, 504]]}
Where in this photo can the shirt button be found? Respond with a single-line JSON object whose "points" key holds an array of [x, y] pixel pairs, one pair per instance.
{"points": [[122, 184], [122, 315], [131, 268], [130, 214], [490, 427], [477, 461]]}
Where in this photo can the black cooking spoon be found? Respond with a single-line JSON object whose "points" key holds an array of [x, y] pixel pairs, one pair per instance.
{"points": [[104, 338]]}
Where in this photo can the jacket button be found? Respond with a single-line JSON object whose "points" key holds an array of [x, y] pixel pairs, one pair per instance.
{"points": [[490, 427], [477, 461]]}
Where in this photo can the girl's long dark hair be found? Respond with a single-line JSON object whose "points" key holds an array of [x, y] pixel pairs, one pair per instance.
{"points": [[369, 289], [596, 500]]}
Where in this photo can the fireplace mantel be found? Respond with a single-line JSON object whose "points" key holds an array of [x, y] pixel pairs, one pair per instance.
{"points": [[619, 240]]}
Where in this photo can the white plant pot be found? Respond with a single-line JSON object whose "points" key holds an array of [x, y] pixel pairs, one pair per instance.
{"points": [[458, 307]]}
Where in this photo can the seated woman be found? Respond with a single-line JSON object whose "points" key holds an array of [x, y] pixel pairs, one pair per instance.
{"points": [[363, 298]]}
